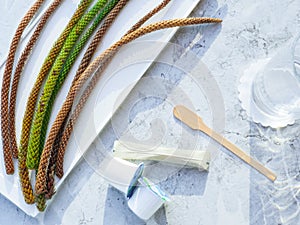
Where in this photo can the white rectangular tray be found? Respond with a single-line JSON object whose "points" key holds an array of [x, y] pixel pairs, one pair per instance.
{"points": [[91, 121]]}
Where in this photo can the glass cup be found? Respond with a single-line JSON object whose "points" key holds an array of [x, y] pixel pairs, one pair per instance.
{"points": [[275, 89]]}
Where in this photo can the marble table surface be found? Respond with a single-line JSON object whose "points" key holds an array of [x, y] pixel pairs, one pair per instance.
{"points": [[231, 192]]}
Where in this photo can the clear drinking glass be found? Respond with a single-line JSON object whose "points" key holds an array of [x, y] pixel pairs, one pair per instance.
{"points": [[276, 88]]}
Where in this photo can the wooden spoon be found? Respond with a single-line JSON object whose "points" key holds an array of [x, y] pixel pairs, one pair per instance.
{"points": [[192, 120]]}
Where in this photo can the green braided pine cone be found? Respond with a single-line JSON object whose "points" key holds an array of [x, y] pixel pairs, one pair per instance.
{"points": [[70, 61], [23, 171], [49, 154], [47, 65], [34, 145]]}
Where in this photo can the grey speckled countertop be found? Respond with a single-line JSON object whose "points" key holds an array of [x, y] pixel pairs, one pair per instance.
{"points": [[231, 193]]}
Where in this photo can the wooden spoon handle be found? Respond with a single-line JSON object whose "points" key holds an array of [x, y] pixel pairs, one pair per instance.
{"points": [[192, 120]]}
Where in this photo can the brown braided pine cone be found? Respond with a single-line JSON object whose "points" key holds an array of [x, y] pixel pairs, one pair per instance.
{"points": [[6, 81]]}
